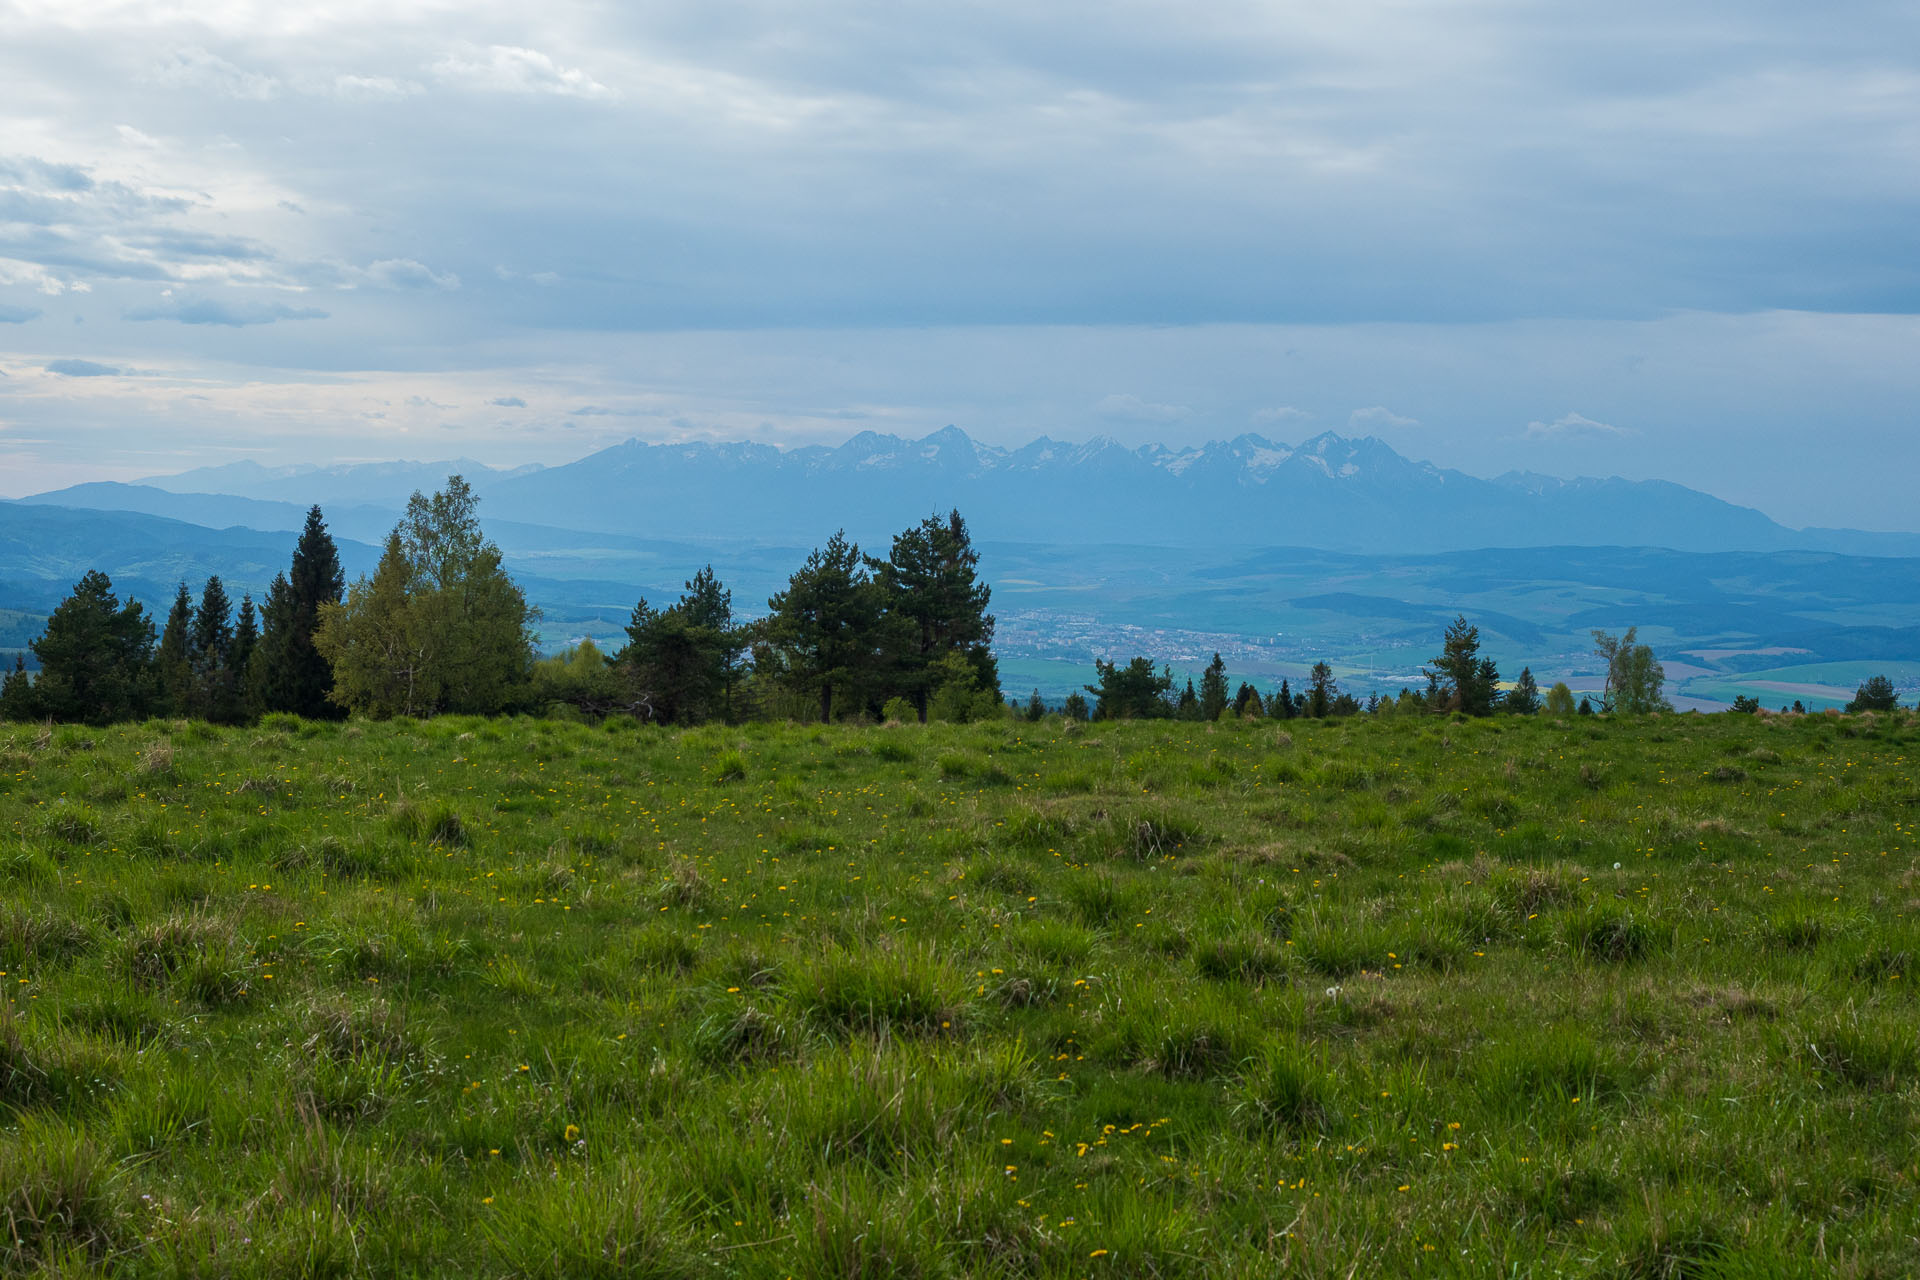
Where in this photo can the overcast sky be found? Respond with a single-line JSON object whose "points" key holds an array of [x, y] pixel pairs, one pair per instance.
{"points": [[1647, 239]]}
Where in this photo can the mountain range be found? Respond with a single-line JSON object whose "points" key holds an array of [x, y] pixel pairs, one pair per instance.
{"points": [[1330, 492]]}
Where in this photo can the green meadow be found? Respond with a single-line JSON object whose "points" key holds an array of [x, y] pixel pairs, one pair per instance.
{"points": [[1406, 996]]}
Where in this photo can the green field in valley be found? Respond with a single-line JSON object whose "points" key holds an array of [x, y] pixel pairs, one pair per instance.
{"points": [[1415, 996]]}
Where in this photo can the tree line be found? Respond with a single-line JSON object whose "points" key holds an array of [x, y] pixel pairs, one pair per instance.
{"points": [[1459, 679], [439, 626]]}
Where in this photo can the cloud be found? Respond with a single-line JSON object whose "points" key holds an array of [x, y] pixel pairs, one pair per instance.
{"points": [[602, 411], [68, 368], [196, 68], [18, 315], [1574, 426], [405, 273], [194, 310], [1126, 407], [509, 402], [1378, 417], [507, 69], [426, 402], [1281, 413], [372, 88]]}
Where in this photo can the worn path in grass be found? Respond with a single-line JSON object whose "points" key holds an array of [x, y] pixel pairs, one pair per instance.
{"points": [[1411, 996]]}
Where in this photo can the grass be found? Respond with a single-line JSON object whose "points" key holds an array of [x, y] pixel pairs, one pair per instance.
{"points": [[1411, 997]]}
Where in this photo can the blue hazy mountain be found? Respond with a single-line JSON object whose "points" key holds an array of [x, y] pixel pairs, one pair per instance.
{"points": [[1330, 493]]}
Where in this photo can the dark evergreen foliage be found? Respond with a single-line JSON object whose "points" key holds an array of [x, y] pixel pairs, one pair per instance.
{"points": [[94, 657]]}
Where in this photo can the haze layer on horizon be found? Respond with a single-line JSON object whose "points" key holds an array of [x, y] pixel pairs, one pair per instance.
{"points": [[1645, 241]]}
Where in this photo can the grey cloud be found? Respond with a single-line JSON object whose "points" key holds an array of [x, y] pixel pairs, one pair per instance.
{"points": [[509, 69], [405, 273], [1378, 417], [1575, 425], [1126, 407], [1280, 413], [197, 68], [509, 402], [17, 315], [70, 368], [197, 310]]}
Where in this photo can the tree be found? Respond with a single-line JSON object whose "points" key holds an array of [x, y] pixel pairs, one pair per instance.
{"points": [[211, 691], [1745, 705], [440, 627], [1246, 702], [823, 633], [1282, 706], [1464, 681], [1133, 692], [582, 680], [1213, 689], [1036, 708], [94, 657], [1559, 699], [17, 702], [1877, 694], [1634, 676], [680, 664], [1075, 708], [292, 674], [1188, 705], [246, 638], [174, 665], [931, 591], [1586, 705], [1524, 698], [1321, 691]]}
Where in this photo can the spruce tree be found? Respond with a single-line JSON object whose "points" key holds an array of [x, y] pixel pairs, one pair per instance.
{"points": [[174, 664], [1213, 689], [302, 679], [1283, 706], [246, 639], [1524, 698], [209, 649], [17, 702], [95, 657], [1321, 691]]}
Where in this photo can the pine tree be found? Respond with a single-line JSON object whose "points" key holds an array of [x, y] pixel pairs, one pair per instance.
{"points": [[930, 587], [1133, 692], [1462, 680], [209, 649], [823, 634], [1321, 691], [17, 701], [1246, 701], [95, 657], [680, 664], [1036, 708], [246, 639], [1213, 690], [174, 664], [1188, 707], [1524, 698], [1283, 706], [299, 678]]}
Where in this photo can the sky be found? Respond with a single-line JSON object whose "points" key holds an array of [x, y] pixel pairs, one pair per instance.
{"points": [[1673, 240]]}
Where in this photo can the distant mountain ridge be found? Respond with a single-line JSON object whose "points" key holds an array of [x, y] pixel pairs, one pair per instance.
{"points": [[1329, 492]]}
